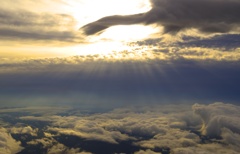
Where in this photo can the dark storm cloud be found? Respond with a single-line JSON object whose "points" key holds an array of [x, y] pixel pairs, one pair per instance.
{"points": [[175, 15], [20, 24]]}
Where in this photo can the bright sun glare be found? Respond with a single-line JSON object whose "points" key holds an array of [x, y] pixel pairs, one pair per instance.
{"points": [[127, 33], [91, 10], [114, 38]]}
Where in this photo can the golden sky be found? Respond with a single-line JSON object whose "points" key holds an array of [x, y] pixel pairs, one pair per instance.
{"points": [[64, 44], [48, 29], [148, 63], [43, 28]]}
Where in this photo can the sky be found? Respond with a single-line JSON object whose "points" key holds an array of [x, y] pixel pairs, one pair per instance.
{"points": [[102, 59], [95, 52]]}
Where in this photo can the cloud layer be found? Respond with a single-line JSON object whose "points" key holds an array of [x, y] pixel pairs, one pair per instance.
{"points": [[165, 128]]}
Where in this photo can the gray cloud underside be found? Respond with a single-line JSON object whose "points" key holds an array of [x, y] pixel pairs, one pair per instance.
{"points": [[37, 35], [175, 15], [20, 24], [222, 42]]}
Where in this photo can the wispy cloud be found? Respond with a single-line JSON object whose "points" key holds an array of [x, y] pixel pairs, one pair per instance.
{"points": [[25, 25]]}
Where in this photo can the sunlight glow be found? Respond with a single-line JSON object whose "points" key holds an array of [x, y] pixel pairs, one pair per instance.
{"points": [[113, 38], [128, 33], [83, 12], [100, 48], [73, 14]]}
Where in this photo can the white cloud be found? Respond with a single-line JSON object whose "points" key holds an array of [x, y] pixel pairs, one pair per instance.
{"points": [[217, 116], [61, 149], [148, 151], [45, 142], [231, 138], [8, 145], [174, 138], [160, 126], [56, 148], [23, 130]]}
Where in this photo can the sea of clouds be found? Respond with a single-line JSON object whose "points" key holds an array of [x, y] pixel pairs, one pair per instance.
{"points": [[181, 128]]}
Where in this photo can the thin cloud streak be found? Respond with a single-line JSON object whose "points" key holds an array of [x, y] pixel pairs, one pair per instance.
{"points": [[42, 26]]}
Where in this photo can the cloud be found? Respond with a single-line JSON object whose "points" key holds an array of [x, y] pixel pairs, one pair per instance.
{"points": [[24, 130], [191, 39], [148, 151], [54, 147], [217, 116], [174, 16], [61, 149], [226, 42], [90, 131], [46, 142], [8, 145], [118, 125], [42, 26], [173, 138], [230, 137], [205, 148], [162, 128]]}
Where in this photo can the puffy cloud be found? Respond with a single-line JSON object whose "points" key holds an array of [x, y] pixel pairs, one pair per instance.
{"points": [[53, 147], [148, 151], [205, 148], [173, 138], [45, 142], [218, 16], [122, 124], [24, 130], [98, 134], [159, 128], [231, 138], [61, 149], [8, 145], [217, 116]]}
